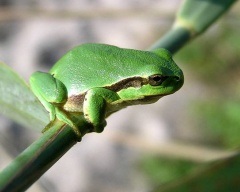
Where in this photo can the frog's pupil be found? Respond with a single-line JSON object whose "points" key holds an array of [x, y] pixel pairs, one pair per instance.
{"points": [[157, 78]]}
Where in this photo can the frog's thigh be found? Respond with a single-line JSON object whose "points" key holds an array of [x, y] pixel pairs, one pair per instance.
{"points": [[94, 106], [48, 90]]}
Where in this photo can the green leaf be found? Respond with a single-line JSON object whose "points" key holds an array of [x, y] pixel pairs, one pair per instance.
{"points": [[18, 102], [222, 175]]}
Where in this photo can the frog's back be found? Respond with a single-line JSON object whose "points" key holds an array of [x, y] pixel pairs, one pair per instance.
{"points": [[98, 65]]}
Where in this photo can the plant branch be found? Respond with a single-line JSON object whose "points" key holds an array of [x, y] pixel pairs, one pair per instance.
{"points": [[193, 18], [174, 39], [173, 150], [37, 158]]}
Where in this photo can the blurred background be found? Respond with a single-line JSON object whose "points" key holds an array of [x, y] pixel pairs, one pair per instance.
{"points": [[142, 146]]}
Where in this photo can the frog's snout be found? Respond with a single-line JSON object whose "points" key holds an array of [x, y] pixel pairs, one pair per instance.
{"points": [[179, 80], [175, 81], [176, 78]]}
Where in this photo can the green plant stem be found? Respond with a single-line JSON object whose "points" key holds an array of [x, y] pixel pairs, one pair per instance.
{"points": [[193, 18], [198, 15], [37, 158], [174, 39]]}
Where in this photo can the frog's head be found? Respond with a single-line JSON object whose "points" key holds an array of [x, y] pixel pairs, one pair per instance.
{"points": [[165, 75], [158, 78]]}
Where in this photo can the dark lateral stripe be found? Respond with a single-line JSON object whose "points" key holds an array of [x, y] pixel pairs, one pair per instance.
{"points": [[135, 82]]}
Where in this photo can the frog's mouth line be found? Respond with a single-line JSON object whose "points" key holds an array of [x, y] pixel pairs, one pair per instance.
{"points": [[151, 98]]}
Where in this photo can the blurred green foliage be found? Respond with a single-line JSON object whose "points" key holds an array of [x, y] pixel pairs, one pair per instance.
{"points": [[220, 121], [213, 60], [161, 170]]}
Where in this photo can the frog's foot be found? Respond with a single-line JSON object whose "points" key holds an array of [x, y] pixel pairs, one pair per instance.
{"points": [[99, 127], [48, 126], [64, 117], [52, 114]]}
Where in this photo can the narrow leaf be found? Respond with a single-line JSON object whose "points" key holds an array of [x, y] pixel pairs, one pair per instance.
{"points": [[18, 102]]}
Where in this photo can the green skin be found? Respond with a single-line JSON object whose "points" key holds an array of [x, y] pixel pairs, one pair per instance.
{"points": [[97, 80]]}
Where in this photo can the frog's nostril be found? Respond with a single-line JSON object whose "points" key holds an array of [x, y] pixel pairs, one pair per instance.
{"points": [[177, 78]]}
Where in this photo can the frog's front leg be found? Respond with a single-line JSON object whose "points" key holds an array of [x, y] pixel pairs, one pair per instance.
{"points": [[95, 106], [52, 93]]}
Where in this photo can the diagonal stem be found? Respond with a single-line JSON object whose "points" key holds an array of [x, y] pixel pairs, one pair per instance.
{"points": [[37, 158]]}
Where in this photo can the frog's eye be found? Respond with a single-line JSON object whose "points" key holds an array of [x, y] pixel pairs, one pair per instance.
{"points": [[156, 80]]}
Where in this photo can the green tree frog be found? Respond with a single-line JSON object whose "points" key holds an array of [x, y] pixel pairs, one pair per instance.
{"points": [[96, 80]]}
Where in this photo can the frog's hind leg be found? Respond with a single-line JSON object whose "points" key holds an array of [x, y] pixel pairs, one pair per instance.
{"points": [[52, 93], [49, 91]]}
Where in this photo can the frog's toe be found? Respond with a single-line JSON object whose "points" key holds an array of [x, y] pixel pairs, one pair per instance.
{"points": [[98, 128], [48, 126], [66, 119], [77, 133]]}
